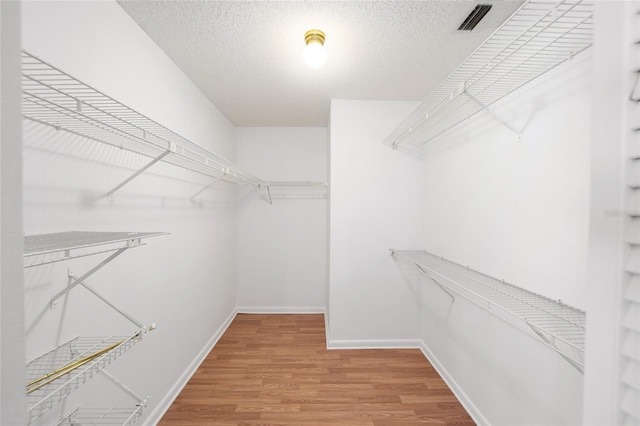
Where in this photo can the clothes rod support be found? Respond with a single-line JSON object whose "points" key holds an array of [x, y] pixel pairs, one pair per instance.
{"points": [[493, 114], [75, 282], [105, 300], [139, 172]]}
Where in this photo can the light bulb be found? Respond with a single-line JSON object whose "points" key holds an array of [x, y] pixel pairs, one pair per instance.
{"points": [[314, 54]]}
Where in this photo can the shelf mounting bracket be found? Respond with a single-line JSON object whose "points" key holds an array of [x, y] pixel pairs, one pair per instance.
{"points": [[546, 340], [105, 300], [493, 114], [75, 281], [137, 173], [218, 179], [424, 272], [126, 389]]}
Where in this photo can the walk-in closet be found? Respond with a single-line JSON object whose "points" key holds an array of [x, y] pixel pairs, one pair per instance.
{"points": [[320, 212]]}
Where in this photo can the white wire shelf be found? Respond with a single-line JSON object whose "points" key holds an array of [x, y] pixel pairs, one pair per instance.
{"points": [[81, 416], [42, 399], [538, 37], [297, 190], [55, 247], [557, 325], [54, 98]]}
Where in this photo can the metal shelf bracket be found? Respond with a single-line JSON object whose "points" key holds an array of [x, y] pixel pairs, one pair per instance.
{"points": [[493, 114], [75, 281], [193, 197], [139, 172]]}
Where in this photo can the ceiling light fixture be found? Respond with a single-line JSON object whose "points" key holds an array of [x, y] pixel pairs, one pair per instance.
{"points": [[314, 54]]}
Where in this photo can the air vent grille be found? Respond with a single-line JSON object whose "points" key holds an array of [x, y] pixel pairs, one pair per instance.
{"points": [[475, 17]]}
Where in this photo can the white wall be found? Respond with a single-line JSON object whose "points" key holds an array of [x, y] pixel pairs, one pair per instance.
{"points": [[185, 282], [375, 205], [282, 247], [517, 210], [12, 371], [615, 23]]}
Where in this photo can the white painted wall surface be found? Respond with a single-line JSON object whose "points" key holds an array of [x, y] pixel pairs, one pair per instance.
{"points": [[185, 282], [375, 205], [612, 80], [282, 247], [516, 210], [12, 370]]}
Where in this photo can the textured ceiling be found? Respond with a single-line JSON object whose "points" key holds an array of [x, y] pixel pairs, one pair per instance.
{"points": [[246, 56]]}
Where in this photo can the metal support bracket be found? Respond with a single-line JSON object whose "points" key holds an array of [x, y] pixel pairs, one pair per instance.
{"points": [[439, 284], [493, 114], [421, 269], [269, 193], [550, 343], [218, 179], [137, 173], [75, 281], [125, 388], [105, 300]]}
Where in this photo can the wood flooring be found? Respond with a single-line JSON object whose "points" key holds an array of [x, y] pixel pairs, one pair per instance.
{"points": [[276, 370]]}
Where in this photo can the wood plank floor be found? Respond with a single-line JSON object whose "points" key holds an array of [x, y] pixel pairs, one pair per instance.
{"points": [[276, 370]]}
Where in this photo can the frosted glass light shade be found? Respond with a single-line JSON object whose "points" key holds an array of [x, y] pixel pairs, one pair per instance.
{"points": [[314, 54]]}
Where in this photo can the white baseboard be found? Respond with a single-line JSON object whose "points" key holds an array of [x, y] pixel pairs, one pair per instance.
{"points": [[280, 310], [156, 415], [464, 399], [373, 344]]}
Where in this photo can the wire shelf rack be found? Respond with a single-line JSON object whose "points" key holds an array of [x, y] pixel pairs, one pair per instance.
{"points": [[298, 189], [81, 416], [55, 247], [557, 325], [537, 38], [50, 389], [54, 98]]}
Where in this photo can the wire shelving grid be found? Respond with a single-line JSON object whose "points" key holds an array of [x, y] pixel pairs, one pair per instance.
{"points": [[102, 416], [558, 325], [54, 98], [537, 38], [48, 248], [43, 399]]}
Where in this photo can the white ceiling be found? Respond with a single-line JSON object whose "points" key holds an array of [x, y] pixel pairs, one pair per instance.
{"points": [[246, 56]]}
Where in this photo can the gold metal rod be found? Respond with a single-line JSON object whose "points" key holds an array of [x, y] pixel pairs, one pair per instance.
{"points": [[55, 374]]}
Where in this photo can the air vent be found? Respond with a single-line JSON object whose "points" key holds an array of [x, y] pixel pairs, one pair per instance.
{"points": [[474, 17]]}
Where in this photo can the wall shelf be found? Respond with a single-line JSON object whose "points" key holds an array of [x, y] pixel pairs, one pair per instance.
{"points": [[52, 376], [81, 416], [55, 247], [54, 98], [297, 190], [538, 37], [39, 401], [555, 324]]}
